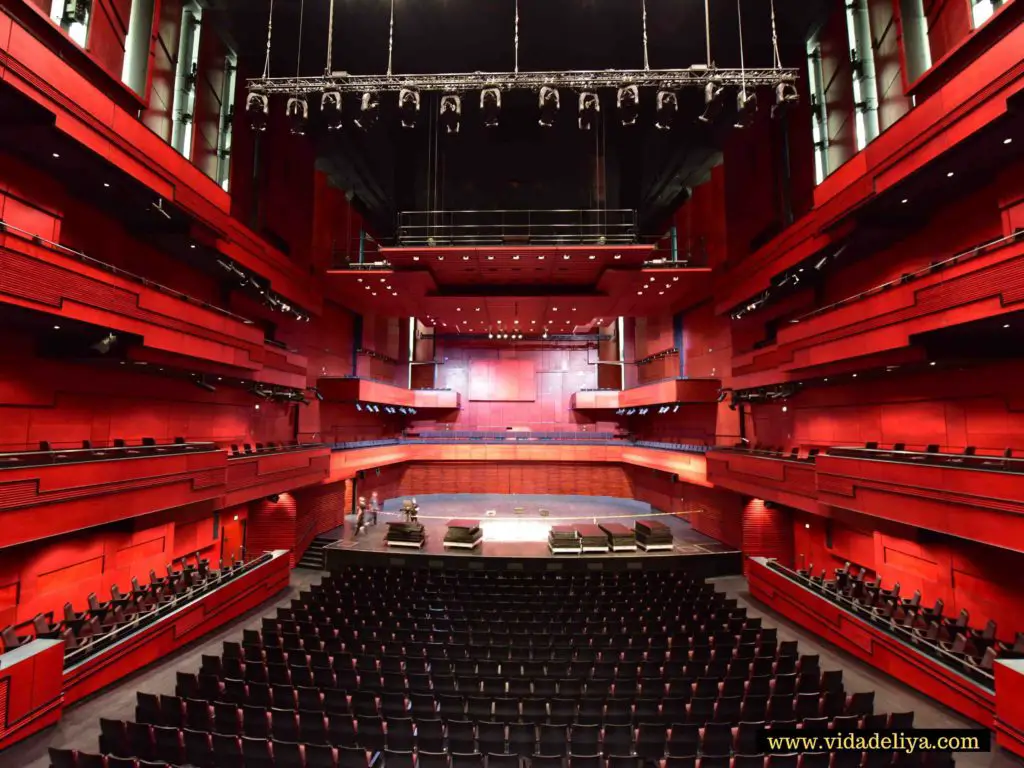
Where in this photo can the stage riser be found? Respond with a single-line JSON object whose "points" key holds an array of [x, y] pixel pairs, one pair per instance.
{"points": [[701, 566]]}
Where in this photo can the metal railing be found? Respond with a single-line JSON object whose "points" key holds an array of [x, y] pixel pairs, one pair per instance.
{"points": [[37, 458], [616, 226]]}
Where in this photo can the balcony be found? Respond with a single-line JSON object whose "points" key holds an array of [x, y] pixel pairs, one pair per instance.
{"points": [[666, 392], [974, 497], [349, 389], [770, 475]]}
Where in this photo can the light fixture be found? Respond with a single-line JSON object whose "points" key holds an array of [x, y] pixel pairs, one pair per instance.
{"points": [[1008, 140], [297, 111], [451, 112], [490, 106], [628, 102], [56, 327], [666, 110], [330, 108], [904, 201], [786, 95], [408, 107], [566, 256], [540, 257], [949, 175], [590, 108], [1007, 325], [56, 155], [592, 257], [549, 103], [106, 184], [465, 257], [369, 110], [785, 408], [257, 107], [714, 100], [746, 106]]}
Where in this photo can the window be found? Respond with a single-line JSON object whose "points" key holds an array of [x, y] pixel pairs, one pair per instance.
{"points": [[819, 111], [862, 58], [982, 10], [185, 80], [227, 119], [136, 45], [916, 48], [73, 17]]}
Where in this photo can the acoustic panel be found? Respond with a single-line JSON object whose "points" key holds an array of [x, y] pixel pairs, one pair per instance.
{"points": [[503, 380]]}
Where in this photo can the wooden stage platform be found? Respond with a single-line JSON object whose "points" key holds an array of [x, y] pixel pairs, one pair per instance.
{"points": [[515, 537]]}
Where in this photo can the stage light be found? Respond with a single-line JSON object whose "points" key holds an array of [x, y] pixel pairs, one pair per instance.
{"points": [[408, 107], [549, 104], [412, 411], [490, 335], [297, 110], [746, 106], [786, 96], [667, 109], [257, 107], [104, 345], [714, 100], [545, 333], [330, 108], [490, 106], [359, 407], [628, 102], [317, 392], [675, 408], [451, 113], [200, 382], [369, 111]]}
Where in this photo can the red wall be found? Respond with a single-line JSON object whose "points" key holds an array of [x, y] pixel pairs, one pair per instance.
{"points": [[66, 403], [40, 577], [987, 581], [559, 373], [978, 406]]}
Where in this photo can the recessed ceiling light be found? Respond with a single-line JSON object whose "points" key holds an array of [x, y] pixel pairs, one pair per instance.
{"points": [[415, 258], [56, 155], [661, 293], [458, 309], [826, 378], [517, 322], [540, 257], [394, 294], [359, 279], [440, 258], [516, 257], [904, 201], [373, 293], [499, 322], [932, 363], [949, 175], [490, 257], [193, 246], [106, 184], [1008, 140], [855, 375], [639, 293], [566, 257], [533, 322], [652, 279], [1006, 326], [56, 327], [478, 309], [554, 309], [618, 255], [382, 280], [592, 257], [675, 279]]}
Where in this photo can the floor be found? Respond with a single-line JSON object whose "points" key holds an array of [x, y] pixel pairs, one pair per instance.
{"points": [[80, 727], [508, 533]]}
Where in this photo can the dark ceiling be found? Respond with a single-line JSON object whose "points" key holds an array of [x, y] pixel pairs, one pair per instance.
{"points": [[518, 165]]}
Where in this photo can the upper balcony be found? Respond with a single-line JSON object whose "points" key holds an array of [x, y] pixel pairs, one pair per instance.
{"points": [[51, 492], [351, 389], [669, 392], [785, 478]]}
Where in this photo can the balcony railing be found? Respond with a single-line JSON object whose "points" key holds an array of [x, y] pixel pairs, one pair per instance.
{"points": [[510, 227]]}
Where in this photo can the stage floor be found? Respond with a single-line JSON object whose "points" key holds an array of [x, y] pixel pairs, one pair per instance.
{"points": [[523, 535]]}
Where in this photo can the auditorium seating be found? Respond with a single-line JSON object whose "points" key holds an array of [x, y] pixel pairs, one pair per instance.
{"points": [[104, 623], [949, 639], [442, 669]]}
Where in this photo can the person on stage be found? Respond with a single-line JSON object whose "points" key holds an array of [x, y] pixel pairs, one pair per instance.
{"points": [[374, 507], [361, 507]]}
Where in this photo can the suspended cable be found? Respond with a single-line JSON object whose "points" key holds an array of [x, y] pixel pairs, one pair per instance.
{"points": [[270, 30], [517, 38], [707, 30], [647, 62], [743, 70], [330, 38], [775, 39], [298, 57], [391, 37]]}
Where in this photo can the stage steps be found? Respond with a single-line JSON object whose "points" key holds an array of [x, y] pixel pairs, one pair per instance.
{"points": [[313, 557]]}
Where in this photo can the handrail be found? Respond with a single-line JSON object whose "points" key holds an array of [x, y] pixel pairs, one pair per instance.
{"points": [[978, 462], [144, 619], [977, 250], [855, 608], [90, 261], [37, 458]]}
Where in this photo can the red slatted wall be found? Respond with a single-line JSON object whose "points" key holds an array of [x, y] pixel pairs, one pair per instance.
{"points": [[767, 531]]}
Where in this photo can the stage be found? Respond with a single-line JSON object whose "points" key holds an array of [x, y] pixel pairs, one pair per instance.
{"points": [[515, 536]]}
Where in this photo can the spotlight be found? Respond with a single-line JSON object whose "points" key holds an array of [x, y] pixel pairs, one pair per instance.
{"points": [[408, 107], [257, 106], [330, 108], [359, 407], [746, 106], [297, 110], [786, 96], [668, 107], [490, 105], [628, 101], [317, 392], [549, 103], [202, 383], [104, 345], [369, 111], [412, 411], [451, 112], [714, 100], [545, 333], [490, 335], [590, 108], [675, 408]]}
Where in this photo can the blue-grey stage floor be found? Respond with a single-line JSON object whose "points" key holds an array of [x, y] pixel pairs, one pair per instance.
{"points": [[513, 525]]}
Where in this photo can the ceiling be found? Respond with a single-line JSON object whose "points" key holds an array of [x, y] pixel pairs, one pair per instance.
{"points": [[391, 169], [486, 290]]}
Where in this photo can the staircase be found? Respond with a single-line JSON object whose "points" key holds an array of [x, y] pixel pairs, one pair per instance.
{"points": [[313, 557]]}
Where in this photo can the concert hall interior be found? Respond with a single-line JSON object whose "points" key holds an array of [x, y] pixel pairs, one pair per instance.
{"points": [[519, 384]]}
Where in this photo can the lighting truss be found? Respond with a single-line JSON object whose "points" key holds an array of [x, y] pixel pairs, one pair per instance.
{"points": [[582, 80]]}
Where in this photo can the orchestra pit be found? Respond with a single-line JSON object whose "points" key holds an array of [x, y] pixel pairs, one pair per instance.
{"points": [[529, 384]]}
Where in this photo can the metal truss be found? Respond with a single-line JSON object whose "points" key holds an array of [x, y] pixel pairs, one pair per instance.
{"points": [[668, 79]]}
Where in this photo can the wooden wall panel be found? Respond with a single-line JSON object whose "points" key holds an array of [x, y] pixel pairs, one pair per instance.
{"points": [[502, 380]]}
